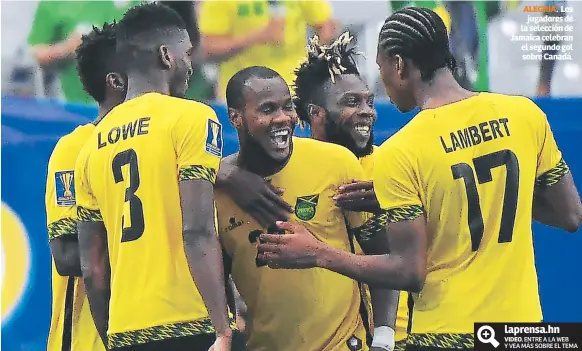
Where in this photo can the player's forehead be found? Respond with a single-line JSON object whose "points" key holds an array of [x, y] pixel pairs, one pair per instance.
{"points": [[261, 90], [348, 85]]}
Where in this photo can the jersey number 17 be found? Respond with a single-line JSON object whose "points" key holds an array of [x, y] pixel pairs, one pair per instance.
{"points": [[483, 166]]}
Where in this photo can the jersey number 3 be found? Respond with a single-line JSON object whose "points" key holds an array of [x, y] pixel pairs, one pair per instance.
{"points": [[137, 225], [483, 166]]}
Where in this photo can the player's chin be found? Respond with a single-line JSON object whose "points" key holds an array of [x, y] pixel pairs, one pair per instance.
{"points": [[279, 153], [404, 108], [360, 139]]}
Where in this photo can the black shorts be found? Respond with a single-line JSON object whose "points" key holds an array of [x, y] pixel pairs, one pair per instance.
{"points": [[430, 348], [185, 343], [238, 341]]}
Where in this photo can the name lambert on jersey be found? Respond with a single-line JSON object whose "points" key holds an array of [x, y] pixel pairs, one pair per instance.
{"points": [[475, 135], [124, 132]]}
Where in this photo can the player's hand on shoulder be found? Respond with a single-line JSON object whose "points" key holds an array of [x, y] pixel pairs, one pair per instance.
{"points": [[358, 196], [296, 249], [254, 195]]}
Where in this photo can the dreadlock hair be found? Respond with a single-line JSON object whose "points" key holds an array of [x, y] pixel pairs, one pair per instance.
{"points": [[235, 88], [418, 34], [96, 57], [143, 29], [323, 63]]}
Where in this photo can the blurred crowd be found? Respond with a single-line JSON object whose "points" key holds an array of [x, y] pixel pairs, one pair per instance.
{"points": [[39, 39]]}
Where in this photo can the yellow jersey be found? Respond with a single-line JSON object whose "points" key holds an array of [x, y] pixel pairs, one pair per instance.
{"points": [[290, 310], [236, 18], [71, 322], [127, 175], [367, 163], [470, 168]]}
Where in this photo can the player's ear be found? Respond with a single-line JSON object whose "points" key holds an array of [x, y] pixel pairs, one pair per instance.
{"points": [[400, 66], [234, 117], [316, 113], [115, 81], [166, 58]]}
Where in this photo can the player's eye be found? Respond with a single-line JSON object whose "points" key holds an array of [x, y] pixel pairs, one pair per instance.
{"points": [[268, 108], [352, 102], [371, 101], [289, 106]]}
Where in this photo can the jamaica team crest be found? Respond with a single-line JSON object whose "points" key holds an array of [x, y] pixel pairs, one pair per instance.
{"points": [[306, 206]]}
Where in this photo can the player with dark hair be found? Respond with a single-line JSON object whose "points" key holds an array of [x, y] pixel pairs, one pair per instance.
{"points": [[489, 159], [338, 106], [289, 310], [150, 255], [72, 327], [330, 74], [96, 61]]}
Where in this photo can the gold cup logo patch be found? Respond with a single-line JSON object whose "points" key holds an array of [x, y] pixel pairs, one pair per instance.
{"points": [[67, 180], [215, 129]]}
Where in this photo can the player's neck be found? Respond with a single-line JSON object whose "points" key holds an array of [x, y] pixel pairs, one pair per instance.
{"points": [[442, 90], [139, 85], [253, 158], [104, 109]]}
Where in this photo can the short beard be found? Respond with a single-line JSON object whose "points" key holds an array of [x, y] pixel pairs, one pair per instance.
{"points": [[336, 135]]}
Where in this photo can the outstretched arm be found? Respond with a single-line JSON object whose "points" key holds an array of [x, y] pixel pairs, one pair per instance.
{"points": [[402, 269]]}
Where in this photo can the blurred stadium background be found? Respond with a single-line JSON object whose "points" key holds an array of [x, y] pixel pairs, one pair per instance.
{"points": [[36, 112]]}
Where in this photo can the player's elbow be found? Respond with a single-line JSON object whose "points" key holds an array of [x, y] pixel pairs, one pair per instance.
{"points": [[414, 282], [573, 220], [413, 276], [410, 275]]}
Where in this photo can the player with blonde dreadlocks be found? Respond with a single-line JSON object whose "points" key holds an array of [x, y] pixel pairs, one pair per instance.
{"points": [[338, 106]]}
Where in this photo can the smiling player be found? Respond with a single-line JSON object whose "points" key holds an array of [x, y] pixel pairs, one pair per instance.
{"points": [[300, 310]]}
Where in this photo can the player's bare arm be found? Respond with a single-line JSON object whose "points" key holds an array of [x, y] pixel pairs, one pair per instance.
{"points": [[358, 196], [94, 258], [65, 251], [557, 204], [252, 193], [402, 269], [203, 251], [373, 240]]}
